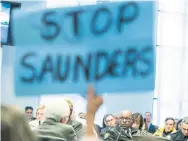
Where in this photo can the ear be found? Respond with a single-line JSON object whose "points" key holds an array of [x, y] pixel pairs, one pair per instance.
{"points": [[62, 120]]}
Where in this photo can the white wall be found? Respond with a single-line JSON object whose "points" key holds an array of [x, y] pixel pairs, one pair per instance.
{"points": [[172, 54]]}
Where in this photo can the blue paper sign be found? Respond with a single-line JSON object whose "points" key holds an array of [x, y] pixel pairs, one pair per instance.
{"points": [[63, 50]]}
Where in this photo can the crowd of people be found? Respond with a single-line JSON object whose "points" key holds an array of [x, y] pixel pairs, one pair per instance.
{"points": [[57, 121]]}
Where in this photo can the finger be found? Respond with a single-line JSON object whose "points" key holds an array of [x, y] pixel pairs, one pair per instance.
{"points": [[99, 100], [90, 93]]}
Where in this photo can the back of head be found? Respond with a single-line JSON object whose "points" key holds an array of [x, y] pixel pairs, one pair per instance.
{"points": [[14, 126], [57, 109]]}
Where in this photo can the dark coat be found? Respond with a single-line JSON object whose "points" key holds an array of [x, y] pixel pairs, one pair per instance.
{"points": [[118, 134], [152, 129], [178, 136]]}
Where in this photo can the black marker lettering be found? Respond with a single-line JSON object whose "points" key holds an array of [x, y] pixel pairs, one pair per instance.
{"points": [[49, 26], [29, 66], [101, 57], [75, 16], [114, 63], [131, 58], [65, 66], [104, 29], [127, 19], [47, 67], [85, 67], [146, 61]]}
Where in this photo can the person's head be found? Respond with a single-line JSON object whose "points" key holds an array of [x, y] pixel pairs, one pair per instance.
{"points": [[178, 125], [138, 120], [29, 112], [14, 126], [125, 119], [58, 110], [148, 116], [169, 124], [109, 121], [184, 128], [40, 113]]}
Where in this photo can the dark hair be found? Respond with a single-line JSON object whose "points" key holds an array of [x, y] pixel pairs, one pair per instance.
{"points": [[170, 118], [179, 122], [144, 120], [28, 107], [138, 116], [104, 119]]}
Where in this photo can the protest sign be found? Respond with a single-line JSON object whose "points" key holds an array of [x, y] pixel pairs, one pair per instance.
{"points": [[110, 46]]}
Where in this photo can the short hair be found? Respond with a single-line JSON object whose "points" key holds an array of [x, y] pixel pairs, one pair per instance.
{"points": [[170, 118], [57, 109], [28, 107], [69, 102], [149, 113], [185, 120], [41, 107]]}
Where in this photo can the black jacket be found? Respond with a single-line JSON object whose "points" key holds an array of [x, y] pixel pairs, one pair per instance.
{"points": [[119, 134], [178, 136]]}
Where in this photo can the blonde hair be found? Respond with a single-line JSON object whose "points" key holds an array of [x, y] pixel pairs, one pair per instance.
{"points": [[41, 107], [15, 126], [69, 102]]}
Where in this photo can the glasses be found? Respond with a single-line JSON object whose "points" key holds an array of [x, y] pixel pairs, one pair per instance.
{"points": [[125, 119], [107, 121]]}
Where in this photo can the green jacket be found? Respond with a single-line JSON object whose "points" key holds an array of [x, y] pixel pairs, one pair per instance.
{"points": [[78, 128], [50, 127]]}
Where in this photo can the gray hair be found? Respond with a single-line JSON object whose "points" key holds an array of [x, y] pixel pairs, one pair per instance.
{"points": [[185, 120], [57, 109], [14, 126]]}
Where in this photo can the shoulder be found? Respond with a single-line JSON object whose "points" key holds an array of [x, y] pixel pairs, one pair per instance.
{"points": [[66, 126], [174, 134]]}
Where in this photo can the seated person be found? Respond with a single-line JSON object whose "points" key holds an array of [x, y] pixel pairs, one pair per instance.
{"points": [[29, 113], [40, 118], [138, 123], [109, 122], [57, 114], [181, 135], [123, 130], [167, 129]]}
